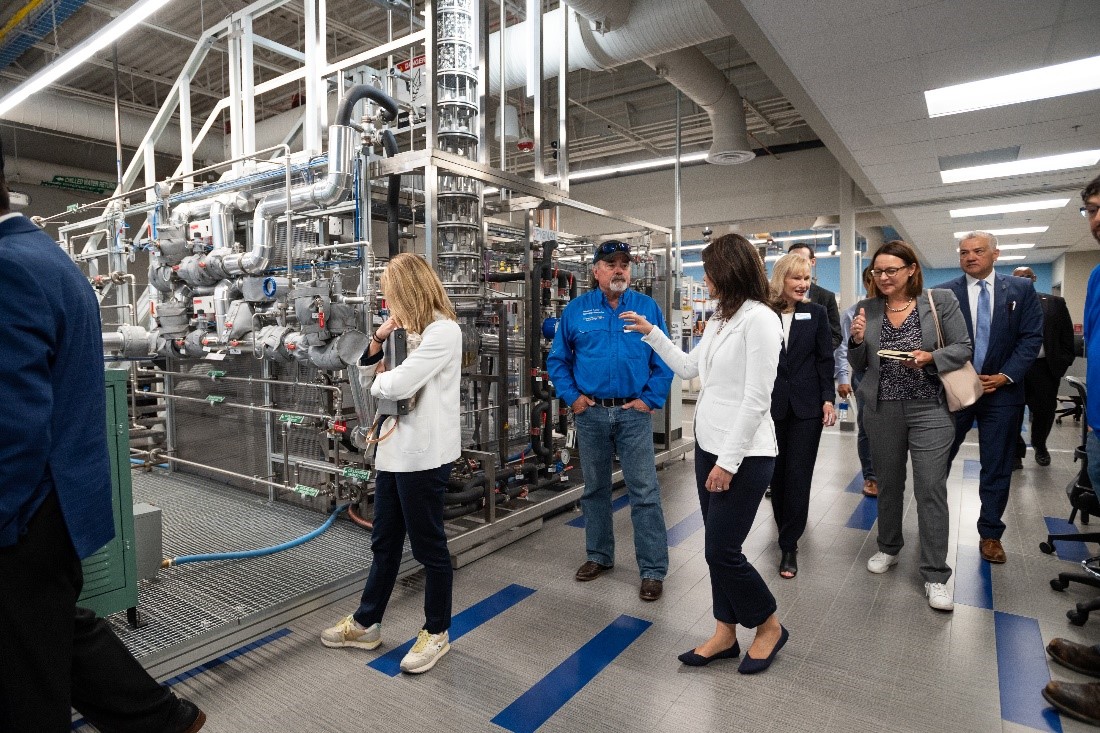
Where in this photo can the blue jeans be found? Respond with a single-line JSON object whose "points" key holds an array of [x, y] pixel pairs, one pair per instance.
{"points": [[1092, 451], [601, 433], [739, 594], [409, 502]]}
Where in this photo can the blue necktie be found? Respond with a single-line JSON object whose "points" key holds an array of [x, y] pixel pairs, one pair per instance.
{"points": [[981, 328]]}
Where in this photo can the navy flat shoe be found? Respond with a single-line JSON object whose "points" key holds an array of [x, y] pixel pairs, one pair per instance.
{"points": [[749, 665], [691, 659]]}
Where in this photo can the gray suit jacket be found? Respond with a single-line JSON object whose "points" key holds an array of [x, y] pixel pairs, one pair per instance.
{"points": [[956, 352]]}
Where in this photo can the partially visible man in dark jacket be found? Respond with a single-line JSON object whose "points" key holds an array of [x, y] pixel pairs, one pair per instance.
{"points": [[817, 294], [55, 504]]}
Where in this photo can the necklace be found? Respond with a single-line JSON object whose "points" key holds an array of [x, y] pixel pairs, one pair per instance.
{"points": [[899, 310]]}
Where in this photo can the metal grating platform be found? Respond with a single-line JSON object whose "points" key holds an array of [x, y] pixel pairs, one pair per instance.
{"points": [[199, 600]]}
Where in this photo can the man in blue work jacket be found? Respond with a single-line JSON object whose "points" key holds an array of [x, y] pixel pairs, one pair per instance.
{"points": [[613, 382], [55, 504]]}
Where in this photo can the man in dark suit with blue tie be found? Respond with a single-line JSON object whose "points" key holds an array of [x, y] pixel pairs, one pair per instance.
{"points": [[1005, 322], [55, 503]]}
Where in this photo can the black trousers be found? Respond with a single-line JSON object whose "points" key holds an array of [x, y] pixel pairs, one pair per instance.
{"points": [[409, 502], [1041, 395], [739, 594], [56, 656], [794, 472]]}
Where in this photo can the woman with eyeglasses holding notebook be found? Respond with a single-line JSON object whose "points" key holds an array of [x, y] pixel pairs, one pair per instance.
{"points": [[894, 344]]}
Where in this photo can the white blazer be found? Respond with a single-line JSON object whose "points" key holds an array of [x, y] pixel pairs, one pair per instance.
{"points": [[737, 369], [429, 436]]}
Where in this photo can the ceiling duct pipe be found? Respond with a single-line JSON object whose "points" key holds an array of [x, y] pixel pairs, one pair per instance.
{"points": [[606, 15], [690, 71], [653, 27]]}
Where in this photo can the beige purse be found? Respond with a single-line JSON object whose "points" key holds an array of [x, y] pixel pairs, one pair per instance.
{"points": [[962, 386]]}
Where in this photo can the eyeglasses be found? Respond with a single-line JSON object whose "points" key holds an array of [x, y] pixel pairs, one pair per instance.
{"points": [[1089, 211], [889, 271]]}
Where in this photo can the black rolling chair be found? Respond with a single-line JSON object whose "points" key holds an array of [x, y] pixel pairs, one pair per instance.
{"points": [[1082, 499]]}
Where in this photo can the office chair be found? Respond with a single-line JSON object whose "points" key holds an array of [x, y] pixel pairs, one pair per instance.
{"points": [[1082, 499]]}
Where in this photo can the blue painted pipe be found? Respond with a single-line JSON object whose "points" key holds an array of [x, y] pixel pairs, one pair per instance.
{"points": [[140, 462], [255, 553]]}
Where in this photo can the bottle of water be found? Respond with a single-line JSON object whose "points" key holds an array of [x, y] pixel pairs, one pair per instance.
{"points": [[842, 410]]}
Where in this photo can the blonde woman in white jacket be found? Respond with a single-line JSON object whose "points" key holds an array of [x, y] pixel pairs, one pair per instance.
{"points": [[413, 463], [735, 446]]}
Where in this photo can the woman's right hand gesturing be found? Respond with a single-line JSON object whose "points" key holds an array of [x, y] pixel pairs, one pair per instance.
{"points": [[858, 327]]}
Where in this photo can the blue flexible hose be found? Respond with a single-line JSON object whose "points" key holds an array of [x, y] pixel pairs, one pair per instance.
{"points": [[260, 552], [139, 462]]}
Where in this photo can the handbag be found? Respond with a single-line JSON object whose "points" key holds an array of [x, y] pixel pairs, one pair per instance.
{"points": [[962, 386]]}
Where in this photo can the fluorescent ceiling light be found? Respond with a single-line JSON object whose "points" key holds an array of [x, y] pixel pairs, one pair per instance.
{"points": [[1029, 245], [641, 165], [692, 247], [1007, 232], [772, 258], [1026, 86], [1009, 208], [1062, 162], [1011, 257], [693, 264], [794, 238], [80, 53]]}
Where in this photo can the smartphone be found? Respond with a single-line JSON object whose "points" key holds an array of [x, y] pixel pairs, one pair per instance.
{"points": [[894, 354]]}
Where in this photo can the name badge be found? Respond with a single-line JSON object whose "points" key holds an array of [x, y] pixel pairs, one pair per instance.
{"points": [[802, 316]]}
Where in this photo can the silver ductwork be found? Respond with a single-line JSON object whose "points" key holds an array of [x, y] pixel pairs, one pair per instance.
{"points": [[690, 71], [659, 32]]}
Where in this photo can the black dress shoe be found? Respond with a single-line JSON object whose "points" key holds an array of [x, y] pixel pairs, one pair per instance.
{"points": [[1019, 465], [188, 718], [590, 571], [1079, 700], [751, 665], [1042, 457], [691, 659], [788, 565], [1078, 657], [651, 589]]}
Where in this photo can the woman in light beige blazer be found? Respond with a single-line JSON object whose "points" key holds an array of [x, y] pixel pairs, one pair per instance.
{"points": [[735, 446]]}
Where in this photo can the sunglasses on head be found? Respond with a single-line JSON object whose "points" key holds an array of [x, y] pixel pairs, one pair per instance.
{"points": [[610, 248]]}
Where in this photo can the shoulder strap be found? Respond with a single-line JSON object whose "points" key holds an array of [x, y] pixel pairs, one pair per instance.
{"points": [[935, 319]]}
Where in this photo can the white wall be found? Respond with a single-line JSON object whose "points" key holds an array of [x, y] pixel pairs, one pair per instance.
{"points": [[798, 184], [1078, 266]]}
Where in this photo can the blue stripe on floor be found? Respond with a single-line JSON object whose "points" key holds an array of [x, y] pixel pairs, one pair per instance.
{"points": [[865, 515], [685, 528], [206, 667], [534, 707], [855, 486], [972, 470], [474, 616], [621, 503], [1072, 551], [973, 578], [1022, 673]]}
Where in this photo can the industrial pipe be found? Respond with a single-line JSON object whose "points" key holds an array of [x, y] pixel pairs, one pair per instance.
{"points": [[360, 92]]}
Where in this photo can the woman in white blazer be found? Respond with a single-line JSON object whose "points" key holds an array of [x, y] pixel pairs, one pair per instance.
{"points": [[413, 461], [735, 448]]}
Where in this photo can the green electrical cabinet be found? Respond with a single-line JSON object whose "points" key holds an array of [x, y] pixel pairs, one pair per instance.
{"points": [[110, 575]]}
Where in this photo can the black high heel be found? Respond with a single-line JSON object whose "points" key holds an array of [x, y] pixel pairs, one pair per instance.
{"points": [[789, 564]]}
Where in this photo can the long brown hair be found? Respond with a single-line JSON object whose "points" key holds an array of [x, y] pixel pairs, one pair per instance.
{"points": [[414, 293], [735, 268], [904, 252]]}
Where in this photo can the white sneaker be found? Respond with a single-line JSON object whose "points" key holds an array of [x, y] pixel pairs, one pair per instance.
{"points": [[939, 597], [880, 562], [349, 633], [425, 652]]}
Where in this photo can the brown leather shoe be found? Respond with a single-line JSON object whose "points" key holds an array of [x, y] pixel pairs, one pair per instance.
{"points": [[992, 551], [1078, 657], [651, 589], [590, 571], [1079, 700], [870, 488]]}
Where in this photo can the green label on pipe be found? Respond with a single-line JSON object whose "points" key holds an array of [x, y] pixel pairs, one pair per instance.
{"points": [[292, 419], [357, 473], [306, 490], [215, 373], [214, 399]]}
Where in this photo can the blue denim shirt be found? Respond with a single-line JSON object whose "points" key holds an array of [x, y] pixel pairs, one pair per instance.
{"points": [[592, 355]]}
